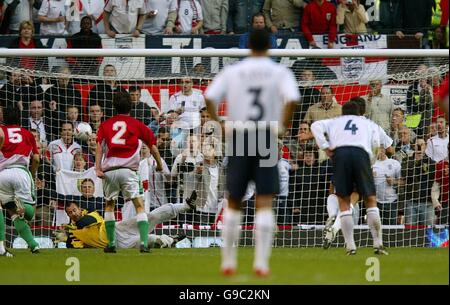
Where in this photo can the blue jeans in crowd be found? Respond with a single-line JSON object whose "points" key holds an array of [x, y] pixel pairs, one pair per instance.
{"points": [[240, 13], [419, 213]]}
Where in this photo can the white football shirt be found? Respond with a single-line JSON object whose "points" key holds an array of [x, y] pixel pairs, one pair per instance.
{"points": [[255, 89], [381, 170], [347, 130]]}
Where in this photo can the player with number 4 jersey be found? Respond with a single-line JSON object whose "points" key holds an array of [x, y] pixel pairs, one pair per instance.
{"points": [[351, 140], [119, 141], [16, 181]]}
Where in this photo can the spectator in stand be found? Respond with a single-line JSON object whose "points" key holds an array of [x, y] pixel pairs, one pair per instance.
{"points": [[215, 13], [403, 148], [326, 108], [397, 122], [155, 119], [60, 152], [102, 94], [187, 103], [283, 16], [303, 140], [309, 96], [73, 115], [85, 39], [283, 210], [57, 98], [240, 15], [94, 10], [95, 117], [26, 40], [19, 91], [161, 17], [418, 175], [319, 17], [415, 19], [419, 103], [37, 122], [353, 16], [437, 146], [139, 110], [52, 16], [21, 10], [389, 16], [386, 173], [440, 193], [89, 151], [163, 144], [379, 107], [259, 23], [79, 163], [124, 17], [190, 17]]}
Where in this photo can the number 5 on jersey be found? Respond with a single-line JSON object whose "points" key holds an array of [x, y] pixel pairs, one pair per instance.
{"points": [[14, 135], [121, 128]]}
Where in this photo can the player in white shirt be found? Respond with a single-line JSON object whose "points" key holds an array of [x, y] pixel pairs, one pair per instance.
{"points": [[60, 152], [187, 103], [350, 143], [333, 224], [124, 17], [258, 92], [437, 146], [52, 16]]}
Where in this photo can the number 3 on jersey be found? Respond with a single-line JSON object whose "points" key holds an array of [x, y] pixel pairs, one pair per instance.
{"points": [[351, 127], [121, 128], [256, 92]]}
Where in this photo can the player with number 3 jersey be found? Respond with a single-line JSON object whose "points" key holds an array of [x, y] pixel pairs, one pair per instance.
{"points": [[119, 141]]}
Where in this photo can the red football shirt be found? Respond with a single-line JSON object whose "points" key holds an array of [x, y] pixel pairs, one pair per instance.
{"points": [[120, 137], [18, 145], [442, 173], [319, 20]]}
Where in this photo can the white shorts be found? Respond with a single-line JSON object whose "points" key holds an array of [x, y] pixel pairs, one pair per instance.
{"points": [[122, 179], [16, 182]]}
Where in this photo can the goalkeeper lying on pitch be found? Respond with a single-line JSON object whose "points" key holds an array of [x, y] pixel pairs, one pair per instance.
{"points": [[87, 229]]}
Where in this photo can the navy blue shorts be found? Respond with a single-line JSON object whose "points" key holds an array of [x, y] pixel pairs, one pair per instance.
{"points": [[246, 167], [352, 169]]}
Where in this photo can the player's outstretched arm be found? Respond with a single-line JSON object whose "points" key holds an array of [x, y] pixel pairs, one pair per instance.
{"points": [[2, 138], [34, 165], [98, 161], [155, 153]]}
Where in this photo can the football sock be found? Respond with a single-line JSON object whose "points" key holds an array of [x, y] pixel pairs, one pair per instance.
{"points": [[264, 229], [374, 222], [29, 211], [110, 225], [347, 229], [24, 231], [230, 235], [142, 223], [337, 223], [332, 206]]}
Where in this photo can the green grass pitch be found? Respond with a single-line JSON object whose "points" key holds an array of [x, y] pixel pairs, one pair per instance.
{"points": [[201, 266]]}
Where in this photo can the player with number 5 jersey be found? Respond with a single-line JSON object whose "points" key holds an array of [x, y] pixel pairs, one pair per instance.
{"points": [[119, 141], [16, 181]]}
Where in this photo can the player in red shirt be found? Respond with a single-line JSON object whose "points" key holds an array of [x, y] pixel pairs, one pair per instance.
{"points": [[119, 141], [319, 17], [16, 182]]}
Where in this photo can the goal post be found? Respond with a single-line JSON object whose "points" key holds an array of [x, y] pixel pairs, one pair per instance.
{"points": [[401, 89]]}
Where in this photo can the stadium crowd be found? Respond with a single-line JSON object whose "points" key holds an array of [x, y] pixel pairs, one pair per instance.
{"points": [[412, 182]]}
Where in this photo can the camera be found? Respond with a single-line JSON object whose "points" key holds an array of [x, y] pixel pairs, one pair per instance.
{"points": [[186, 167]]}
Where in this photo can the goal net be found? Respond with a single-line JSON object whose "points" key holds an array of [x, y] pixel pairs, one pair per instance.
{"points": [[57, 91]]}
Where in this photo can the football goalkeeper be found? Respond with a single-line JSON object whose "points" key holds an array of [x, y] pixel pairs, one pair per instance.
{"points": [[87, 229]]}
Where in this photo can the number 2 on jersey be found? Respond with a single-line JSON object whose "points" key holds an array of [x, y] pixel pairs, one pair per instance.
{"points": [[257, 104], [121, 128], [351, 127]]}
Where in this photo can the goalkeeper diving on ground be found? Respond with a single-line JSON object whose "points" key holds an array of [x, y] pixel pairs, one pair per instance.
{"points": [[87, 229]]}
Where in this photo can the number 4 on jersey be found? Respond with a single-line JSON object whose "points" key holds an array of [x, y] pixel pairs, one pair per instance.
{"points": [[351, 127]]}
